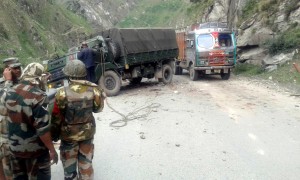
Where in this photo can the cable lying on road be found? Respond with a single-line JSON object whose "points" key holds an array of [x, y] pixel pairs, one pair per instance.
{"points": [[138, 113]]}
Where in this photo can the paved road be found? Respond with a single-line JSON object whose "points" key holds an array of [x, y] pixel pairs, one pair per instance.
{"points": [[206, 129]]}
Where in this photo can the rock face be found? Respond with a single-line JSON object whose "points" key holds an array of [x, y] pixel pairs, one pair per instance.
{"points": [[101, 14], [250, 33], [253, 31]]}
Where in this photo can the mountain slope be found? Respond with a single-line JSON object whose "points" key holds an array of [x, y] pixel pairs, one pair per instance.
{"points": [[37, 29]]}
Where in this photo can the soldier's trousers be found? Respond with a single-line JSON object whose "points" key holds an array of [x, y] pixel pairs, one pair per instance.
{"points": [[5, 160], [77, 158], [31, 168]]}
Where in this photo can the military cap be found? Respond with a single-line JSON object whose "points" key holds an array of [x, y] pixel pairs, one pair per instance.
{"points": [[12, 62], [32, 72], [14, 65]]}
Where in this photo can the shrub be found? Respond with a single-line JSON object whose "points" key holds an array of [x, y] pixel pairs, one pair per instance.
{"points": [[249, 9], [286, 42], [290, 6]]}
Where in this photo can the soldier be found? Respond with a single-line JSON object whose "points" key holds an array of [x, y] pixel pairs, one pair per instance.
{"points": [[75, 105], [11, 75], [29, 127], [87, 56]]}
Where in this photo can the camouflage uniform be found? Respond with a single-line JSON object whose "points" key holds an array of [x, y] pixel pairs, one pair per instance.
{"points": [[4, 149], [76, 104], [28, 121]]}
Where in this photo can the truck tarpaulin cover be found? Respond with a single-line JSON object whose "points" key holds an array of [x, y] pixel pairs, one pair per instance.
{"points": [[133, 41]]}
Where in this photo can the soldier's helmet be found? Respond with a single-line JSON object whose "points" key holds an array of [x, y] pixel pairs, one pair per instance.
{"points": [[75, 68], [33, 72], [12, 62]]}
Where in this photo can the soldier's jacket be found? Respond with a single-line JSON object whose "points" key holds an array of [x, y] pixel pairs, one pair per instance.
{"points": [[76, 104], [28, 119], [4, 86]]}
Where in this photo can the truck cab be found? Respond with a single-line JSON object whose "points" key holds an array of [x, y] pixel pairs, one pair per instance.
{"points": [[210, 48]]}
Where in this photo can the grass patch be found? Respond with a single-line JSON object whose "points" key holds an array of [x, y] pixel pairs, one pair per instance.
{"points": [[249, 9], [284, 43], [285, 75], [156, 14], [197, 9], [247, 69], [290, 6], [38, 31]]}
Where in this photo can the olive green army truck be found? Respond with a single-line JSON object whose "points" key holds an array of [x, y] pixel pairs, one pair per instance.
{"points": [[122, 54]]}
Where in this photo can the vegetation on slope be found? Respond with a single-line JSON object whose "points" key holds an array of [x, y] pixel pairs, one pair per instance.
{"points": [[286, 74], [168, 13], [37, 30]]}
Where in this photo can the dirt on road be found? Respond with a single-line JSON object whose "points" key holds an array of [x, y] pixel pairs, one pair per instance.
{"points": [[205, 129]]}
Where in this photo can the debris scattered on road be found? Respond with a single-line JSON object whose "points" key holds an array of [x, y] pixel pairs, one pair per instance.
{"points": [[142, 136]]}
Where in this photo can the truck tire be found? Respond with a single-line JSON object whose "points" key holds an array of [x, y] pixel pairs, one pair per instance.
{"points": [[225, 76], [167, 74], [178, 70], [114, 49], [110, 82], [193, 73]]}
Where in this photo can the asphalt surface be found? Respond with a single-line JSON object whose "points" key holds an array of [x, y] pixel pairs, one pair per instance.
{"points": [[205, 129]]}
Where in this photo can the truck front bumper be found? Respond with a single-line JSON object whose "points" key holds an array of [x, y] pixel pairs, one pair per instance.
{"points": [[213, 67]]}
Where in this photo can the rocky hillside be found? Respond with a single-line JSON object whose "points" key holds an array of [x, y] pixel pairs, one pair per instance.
{"points": [[40, 29], [268, 31]]}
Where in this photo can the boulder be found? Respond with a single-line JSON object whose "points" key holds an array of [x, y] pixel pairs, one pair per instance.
{"points": [[253, 55], [277, 59]]}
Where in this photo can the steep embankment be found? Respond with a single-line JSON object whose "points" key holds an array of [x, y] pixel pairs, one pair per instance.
{"points": [[37, 29]]}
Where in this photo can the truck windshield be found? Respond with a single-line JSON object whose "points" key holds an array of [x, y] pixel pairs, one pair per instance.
{"points": [[225, 40], [205, 41]]}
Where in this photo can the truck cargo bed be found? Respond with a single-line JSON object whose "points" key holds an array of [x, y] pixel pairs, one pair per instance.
{"points": [[136, 41]]}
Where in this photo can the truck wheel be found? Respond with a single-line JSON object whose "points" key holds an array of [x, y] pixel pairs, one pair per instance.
{"points": [[135, 80], [110, 82], [178, 70], [225, 76], [193, 73], [167, 74]]}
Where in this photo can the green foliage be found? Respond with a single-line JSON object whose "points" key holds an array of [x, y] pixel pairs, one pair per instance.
{"points": [[34, 30], [199, 7], [286, 42], [3, 32], [268, 5], [266, 9], [247, 69], [249, 9], [285, 74], [167, 13], [290, 6], [163, 14]]}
